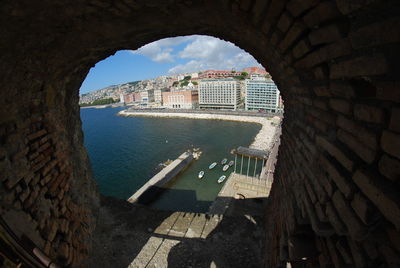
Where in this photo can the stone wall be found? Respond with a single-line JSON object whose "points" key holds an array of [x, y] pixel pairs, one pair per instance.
{"points": [[335, 198]]}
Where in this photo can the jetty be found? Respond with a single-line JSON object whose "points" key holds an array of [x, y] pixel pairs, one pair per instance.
{"points": [[151, 189]]}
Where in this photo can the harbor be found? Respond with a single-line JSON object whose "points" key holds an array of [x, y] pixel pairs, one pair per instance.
{"points": [[245, 175]]}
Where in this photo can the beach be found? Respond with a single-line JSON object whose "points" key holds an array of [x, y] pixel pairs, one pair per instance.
{"points": [[262, 141]]}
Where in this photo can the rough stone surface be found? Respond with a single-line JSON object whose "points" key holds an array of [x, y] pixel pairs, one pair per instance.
{"points": [[335, 63]]}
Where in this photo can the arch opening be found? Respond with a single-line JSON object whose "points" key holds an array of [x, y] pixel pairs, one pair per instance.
{"points": [[335, 63]]}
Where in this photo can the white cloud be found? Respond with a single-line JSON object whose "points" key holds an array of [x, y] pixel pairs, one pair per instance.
{"points": [[200, 53], [160, 51], [209, 52]]}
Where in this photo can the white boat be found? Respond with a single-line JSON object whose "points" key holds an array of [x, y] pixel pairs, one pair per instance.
{"points": [[224, 161], [221, 179], [201, 174], [212, 165], [225, 168], [231, 163]]}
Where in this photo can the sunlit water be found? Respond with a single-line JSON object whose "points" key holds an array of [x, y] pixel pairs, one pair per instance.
{"points": [[125, 153]]}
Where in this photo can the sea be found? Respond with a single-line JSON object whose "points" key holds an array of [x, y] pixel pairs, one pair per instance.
{"points": [[125, 152]]}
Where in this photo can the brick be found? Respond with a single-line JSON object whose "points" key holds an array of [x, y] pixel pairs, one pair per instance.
{"points": [[363, 209], [335, 257], [326, 34], [391, 257], [365, 153], [321, 228], [356, 229], [390, 143], [275, 9], [395, 119], [321, 91], [344, 185], [320, 104], [284, 22], [37, 134], [370, 249], [389, 167], [334, 219], [320, 212], [374, 64], [259, 10], [388, 90], [394, 237], [301, 48], [325, 11], [294, 33], [344, 251], [335, 152], [340, 89], [376, 34], [358, 254], [340, 105], [296, 7], [381, 194], [367, 137], [369, 113]]}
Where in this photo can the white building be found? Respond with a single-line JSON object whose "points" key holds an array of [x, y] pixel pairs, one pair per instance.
{"points": [[219, 94], [262, 94], [158, 95], [147, 96]]}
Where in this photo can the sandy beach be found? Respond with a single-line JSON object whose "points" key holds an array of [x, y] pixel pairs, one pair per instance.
{"points": [[262, 141]]}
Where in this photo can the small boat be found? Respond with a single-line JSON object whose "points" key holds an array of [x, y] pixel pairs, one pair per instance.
{"points": [[224, 161], [225, 168], [201, 174], [212, 165], [231, 163], [221, 179]]}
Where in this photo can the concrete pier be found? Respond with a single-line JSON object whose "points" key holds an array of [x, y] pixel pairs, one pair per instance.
{"points": [[154, 186]]}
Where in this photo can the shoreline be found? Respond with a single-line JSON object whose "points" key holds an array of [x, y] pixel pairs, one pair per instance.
{"points": [[262, 141]]}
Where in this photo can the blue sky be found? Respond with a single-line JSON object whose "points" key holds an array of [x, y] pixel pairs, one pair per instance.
{"points": [[166, 57]]}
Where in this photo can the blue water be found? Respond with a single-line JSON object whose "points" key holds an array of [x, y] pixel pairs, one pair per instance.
{"points": [[125, 153]]}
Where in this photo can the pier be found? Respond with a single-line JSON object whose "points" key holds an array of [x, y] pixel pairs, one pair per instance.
{"points": [[154, 186]]}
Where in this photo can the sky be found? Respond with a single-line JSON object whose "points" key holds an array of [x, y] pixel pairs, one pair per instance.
{"points": [[166, 57]]}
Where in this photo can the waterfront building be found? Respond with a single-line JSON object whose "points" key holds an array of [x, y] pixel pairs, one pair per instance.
{"points": [[262, 94], [184, 99], [255, 70], [158, 94], [129, 98], [147, 96], [218, 74], [219, 94]]}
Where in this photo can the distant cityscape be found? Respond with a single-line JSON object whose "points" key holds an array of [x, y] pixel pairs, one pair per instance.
{"points": [[249, 89]]}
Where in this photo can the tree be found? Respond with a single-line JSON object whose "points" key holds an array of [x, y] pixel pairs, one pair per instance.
{"points": [[187, 78], [195, 83], [245, 74], [175, 84], [184, 83]]}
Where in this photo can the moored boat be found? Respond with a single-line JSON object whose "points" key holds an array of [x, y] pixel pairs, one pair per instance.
{"points": [[212, 165], [201, 174], [221, 179], [225, 168], [231, 163], [224, 161]]}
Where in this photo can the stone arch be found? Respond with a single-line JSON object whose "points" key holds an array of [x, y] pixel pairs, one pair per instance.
{"points": [[335, 198]]}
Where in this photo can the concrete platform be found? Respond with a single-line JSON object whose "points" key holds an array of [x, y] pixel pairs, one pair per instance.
{"points": [[154, 186]]}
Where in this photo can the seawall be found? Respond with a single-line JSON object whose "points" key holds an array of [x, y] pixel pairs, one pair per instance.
{"points": [[262, 141]]}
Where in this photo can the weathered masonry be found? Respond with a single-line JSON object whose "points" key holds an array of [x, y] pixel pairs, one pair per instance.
{"points": [[335, 200]]}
